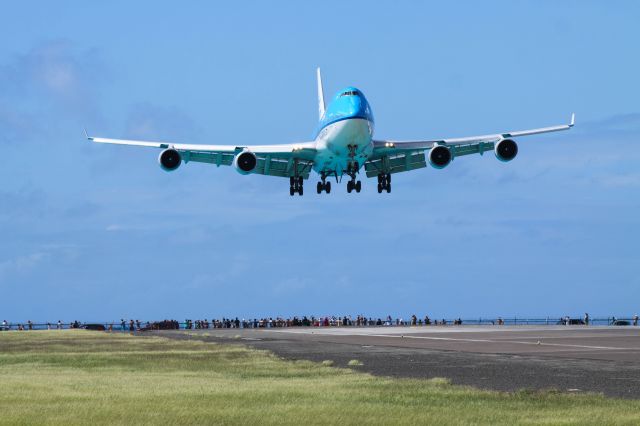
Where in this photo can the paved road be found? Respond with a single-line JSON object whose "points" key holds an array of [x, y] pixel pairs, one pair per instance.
{"points": [[573, 359]]}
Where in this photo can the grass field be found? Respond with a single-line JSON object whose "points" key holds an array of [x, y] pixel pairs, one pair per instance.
{"points": [[80, 377]]}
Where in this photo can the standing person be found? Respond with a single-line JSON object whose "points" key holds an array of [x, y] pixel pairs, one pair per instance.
{"points": [[59, 325], [586, 318], [122, 325], [635, 319], [5, 325]]}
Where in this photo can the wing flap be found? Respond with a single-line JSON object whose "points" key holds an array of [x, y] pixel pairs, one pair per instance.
{"points": [[395, 164]]}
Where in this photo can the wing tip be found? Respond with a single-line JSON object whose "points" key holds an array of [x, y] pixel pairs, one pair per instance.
{"points": [[86, 135]]}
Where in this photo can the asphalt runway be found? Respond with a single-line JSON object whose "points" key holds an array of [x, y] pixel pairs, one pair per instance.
{"points": [[507, 358]]}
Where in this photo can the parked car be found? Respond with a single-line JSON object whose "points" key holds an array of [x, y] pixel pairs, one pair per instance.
{"points": [[572, 321], [621, 322], [94, 327]]}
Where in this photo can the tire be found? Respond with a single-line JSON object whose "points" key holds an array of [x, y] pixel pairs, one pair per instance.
{"points": [[389, 187], [349, 187], [358, 186], [300, 191], [379, 188], [319, 187], [389, 178], [291, 191], [327, 187]]}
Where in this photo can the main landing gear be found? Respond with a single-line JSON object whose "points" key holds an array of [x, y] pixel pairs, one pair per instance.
{"points": [[324, 185], [384, 182], [295, 185]]}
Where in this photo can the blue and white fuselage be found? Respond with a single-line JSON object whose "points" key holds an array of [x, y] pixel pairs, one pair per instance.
{"points": [[344, 135]]}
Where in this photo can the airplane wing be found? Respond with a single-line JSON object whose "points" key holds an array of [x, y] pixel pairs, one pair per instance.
{"points": [[391, 156], [272, 160]]}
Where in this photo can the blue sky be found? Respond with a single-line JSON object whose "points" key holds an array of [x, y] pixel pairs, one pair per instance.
{"points": [[99, 232]]}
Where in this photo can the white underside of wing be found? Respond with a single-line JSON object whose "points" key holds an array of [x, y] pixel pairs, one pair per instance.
{"points": [[426, 144], [258, 149]]}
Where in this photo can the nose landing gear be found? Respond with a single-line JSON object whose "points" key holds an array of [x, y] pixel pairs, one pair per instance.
{"points": [[353, 184], [384, 183], [324, 185]]}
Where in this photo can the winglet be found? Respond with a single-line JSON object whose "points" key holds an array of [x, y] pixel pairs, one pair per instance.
{"points": [[321, 105], [86, 135], [573, 120]]}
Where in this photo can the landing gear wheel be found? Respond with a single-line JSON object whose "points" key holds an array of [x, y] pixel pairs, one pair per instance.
{"points": [[300, 191], [327, 187], [319, 187], [291, 191], [388, 187], [358, 186], [379, 188], [388, 178], [350, 186]]}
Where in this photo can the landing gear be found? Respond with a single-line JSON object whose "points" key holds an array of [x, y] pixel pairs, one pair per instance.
{"points": [[296, 185], [384, 183], [324, 185], [353, 184]]}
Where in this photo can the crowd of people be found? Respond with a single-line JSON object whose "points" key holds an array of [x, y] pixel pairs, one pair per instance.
{"points": [[132, 325], [312, 321]]}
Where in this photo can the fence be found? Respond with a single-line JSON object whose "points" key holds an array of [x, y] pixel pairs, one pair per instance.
{"points": [[315, 322]]}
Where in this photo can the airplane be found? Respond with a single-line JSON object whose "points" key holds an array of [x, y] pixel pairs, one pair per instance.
{"points": [[343, 144]]}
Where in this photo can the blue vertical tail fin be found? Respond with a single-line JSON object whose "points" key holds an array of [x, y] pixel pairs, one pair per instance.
{"points": [[321, 106]]}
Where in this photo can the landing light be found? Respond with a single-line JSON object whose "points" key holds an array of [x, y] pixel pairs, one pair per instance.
{"points": [[389, 144]]}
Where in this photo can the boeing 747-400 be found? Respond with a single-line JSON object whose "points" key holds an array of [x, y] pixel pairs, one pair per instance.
{"points": [[343, 145]]}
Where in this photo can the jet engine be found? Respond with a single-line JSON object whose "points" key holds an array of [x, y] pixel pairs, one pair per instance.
{"points": [[169, 159], [506, 150], [439, 157], [245, 162]]}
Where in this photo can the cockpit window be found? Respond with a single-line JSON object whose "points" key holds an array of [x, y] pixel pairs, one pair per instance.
{"points": [[350, 93]]}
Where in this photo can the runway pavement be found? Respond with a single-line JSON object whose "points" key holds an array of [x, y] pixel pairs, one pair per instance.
{"points": [[509, 358]]}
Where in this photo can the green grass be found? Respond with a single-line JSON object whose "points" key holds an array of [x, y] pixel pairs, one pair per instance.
{"points": [[80, 377]]}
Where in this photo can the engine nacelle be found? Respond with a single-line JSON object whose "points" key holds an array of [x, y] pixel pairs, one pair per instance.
{"points": [[245, 162], [169, 159], [439, 157], [506, 150]]}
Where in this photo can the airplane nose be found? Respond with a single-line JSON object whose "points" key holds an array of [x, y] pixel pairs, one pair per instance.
{"points": [[358, 107]]}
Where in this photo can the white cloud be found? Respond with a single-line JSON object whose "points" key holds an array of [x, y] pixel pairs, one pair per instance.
{"points": [[22, 263]]}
